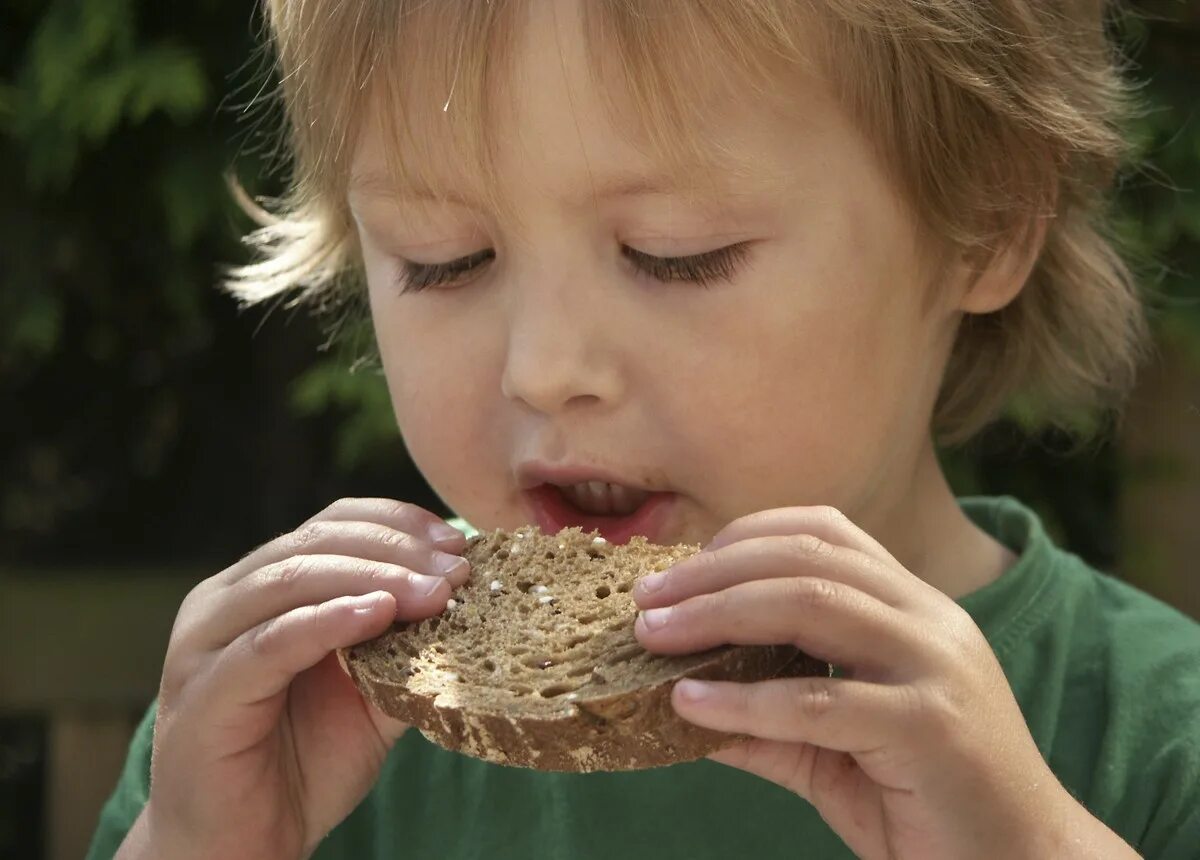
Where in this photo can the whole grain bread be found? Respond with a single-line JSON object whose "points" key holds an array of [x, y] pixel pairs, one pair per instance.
{"points": [[535, 663]]}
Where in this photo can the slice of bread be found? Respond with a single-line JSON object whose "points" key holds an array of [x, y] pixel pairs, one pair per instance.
{"points": [[535, 664]]}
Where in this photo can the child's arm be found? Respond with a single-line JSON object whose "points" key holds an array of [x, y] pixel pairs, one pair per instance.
{"points": [[921, 750], [262, 744]]}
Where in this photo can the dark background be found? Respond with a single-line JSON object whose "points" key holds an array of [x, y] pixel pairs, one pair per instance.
{"points": [[150, 430]]}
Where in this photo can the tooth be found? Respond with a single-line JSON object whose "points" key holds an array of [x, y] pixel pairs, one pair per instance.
{"points": [[601, 499], [621, 499]]}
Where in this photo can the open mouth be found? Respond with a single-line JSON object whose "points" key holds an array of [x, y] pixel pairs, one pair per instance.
{"points": [[617, 512]]}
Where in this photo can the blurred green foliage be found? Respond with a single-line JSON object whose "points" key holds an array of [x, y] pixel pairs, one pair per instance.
{"points": [[118, 119]]}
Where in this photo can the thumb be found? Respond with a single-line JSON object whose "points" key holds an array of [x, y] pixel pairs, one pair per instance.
{"points": [[389, 728]]}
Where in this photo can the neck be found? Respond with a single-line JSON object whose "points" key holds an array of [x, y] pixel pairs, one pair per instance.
{"points": [[928, 533]]}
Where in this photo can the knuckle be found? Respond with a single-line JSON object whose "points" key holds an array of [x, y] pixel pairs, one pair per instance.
{"points": [[310, 535], [831, 516], [814, 700], [396, 540], [287, 574], [704, 564], [265, 638], [400, 510], [174, 676], [810, 548], [339, 506], [810, 594], [712, 605]]}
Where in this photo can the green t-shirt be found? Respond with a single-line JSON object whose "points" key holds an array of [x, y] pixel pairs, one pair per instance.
{"points": [[1108, 679]]}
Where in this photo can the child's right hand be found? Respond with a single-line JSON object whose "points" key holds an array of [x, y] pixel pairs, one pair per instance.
{"points": [[262, 743]]}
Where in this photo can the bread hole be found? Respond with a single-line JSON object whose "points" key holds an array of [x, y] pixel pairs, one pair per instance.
{"points": [[626, 710], [576, 641], [539, 661], [407, 647], [523, 586], [440, 649], [624, 587], [622, 655], [595, 553], [391, 650], [603, 591], [550, 554], [557, 690], [618, 625], [434, 623], [586, 619], [489, 665], [579, 670], [521, 689], [501, 554]]}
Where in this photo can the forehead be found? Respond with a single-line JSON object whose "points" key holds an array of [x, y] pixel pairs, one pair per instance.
{"points": [[558, 110]]}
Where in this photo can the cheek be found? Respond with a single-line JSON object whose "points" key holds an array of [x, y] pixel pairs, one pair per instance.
{"points": [[804, 391], [440, 398]]}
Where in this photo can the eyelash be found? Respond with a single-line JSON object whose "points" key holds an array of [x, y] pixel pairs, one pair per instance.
{"points": [[700, 269]]}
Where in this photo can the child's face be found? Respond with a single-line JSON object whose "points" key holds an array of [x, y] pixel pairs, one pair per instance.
{"points": [[807, 377]]}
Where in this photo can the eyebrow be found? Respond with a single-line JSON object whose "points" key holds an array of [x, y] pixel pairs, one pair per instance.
{"points": [[382, 185]]}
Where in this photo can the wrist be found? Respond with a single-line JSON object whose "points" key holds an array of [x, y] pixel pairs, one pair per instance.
{"points": [[150, 838], [1075, 834]]}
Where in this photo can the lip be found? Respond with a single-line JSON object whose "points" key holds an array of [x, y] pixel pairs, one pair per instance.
{"points": [[551, 513]]}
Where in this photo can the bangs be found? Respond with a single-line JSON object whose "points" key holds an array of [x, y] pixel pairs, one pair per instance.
{"points": [[433, 80]]}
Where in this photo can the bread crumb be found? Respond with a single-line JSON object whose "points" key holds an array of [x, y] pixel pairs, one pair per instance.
{"points": [[546, 598], [451, 603], [539, 589], [599, 541], [496, 585]]}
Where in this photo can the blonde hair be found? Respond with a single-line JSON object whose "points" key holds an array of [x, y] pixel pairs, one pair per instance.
{"points": [[988, 115]]}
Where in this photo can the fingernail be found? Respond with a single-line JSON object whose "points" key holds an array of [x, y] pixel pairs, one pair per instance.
{"points": [[447, 564], [425, 585], [444, 533], [364, 604], [652, 583], [692, 690], [653, 619]]}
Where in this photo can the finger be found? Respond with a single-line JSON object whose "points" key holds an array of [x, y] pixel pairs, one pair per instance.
{"points": [[831, 781], [827, 620], [359, 539], [783, 763], [401, 516], [306, 580], [777, 557], [262, 662], [397, 516], [821, 521], [833, 713]]}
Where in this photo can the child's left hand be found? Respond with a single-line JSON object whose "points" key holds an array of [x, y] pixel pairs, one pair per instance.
{"points": [[920, 749]]}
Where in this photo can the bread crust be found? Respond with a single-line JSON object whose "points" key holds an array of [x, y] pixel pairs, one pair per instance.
{"points": [[634, 730]]}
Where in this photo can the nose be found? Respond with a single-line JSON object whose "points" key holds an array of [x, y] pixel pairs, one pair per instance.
{"points": [[561, 353]]}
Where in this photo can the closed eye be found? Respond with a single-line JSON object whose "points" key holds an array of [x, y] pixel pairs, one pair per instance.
{"points": [[702, 269]]}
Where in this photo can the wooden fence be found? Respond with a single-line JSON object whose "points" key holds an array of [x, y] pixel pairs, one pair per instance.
{"points": [[83, 649]]}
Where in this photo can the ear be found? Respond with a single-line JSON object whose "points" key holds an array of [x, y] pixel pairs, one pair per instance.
{"points": [[995, 281]]}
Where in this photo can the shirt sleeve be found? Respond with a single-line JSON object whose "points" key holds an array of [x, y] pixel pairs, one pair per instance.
{"points": [[129, 796], [1173, 832]]}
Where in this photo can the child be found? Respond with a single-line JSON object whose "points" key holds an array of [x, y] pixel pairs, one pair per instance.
{"points": [[716, 271]]}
